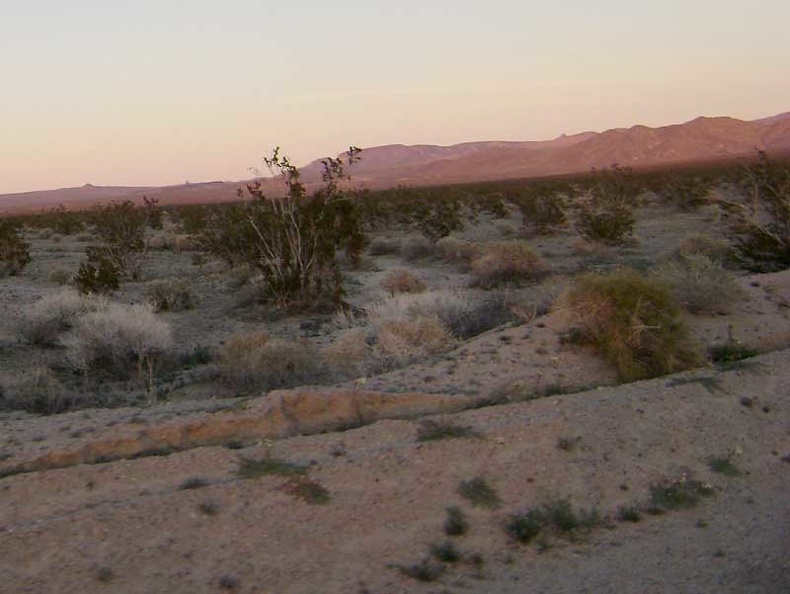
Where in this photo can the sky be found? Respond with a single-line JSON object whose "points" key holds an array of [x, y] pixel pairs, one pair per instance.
{"points": [[141, 92]]}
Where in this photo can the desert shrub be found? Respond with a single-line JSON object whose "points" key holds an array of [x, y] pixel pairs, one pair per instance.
{"points": [[62, 221], [760, 217], [97, 273], [463, 313], [14, 252], [403, 341], [350, 354], [457, 251], [634, 322], [416, 247], [59, 276], [479, 493], [120, 229], [700, 284], [401, 280], [119, 338], [257, 361], [605, 209], [45, 320], [718, 250], [292, 240], [38, 391], [686, 191], [384, 246], [541, 212], [438, 216], [507, 262], [169, 295]]}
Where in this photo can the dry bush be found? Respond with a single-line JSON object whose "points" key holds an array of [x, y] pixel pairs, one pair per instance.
{"points": [[416, 247], [457, 251], [384, 246], [701, 284], [45, 320], [404, 341], [258, 362], [507, 262], [464, 313], [635, 322], [401, 280], [350, 354], [169, 295], [718, 250], [38, 391], [118, 338]]}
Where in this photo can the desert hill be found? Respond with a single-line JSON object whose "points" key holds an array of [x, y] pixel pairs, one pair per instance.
{"points": [[701, 139]]}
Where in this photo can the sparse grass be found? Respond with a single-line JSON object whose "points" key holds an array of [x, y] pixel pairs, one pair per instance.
{"points": [[724, 465], [431, 430], [446, 552], [628, 513], [253, 469], [194, 482], [424, 571], [568, 444], [507, 262], [524, 527], [456, 523], [479, 493], [683, 493], [104, 574], [634, 322], [209, 508], [308, 491], [553, 517]]}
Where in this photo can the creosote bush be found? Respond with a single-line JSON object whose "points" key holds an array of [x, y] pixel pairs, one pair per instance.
{"points": [[257, 361], [634, 322], [700, 284], [507, 262], [14, 252], [457, 251]]}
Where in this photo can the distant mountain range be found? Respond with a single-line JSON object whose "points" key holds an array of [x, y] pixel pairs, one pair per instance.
{"points": [[702, 139]]}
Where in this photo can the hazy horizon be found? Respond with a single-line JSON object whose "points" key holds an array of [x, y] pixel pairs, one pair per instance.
{"points": [[158, 93]]}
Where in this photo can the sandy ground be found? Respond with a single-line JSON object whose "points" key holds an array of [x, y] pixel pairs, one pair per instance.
{"points": [[186, 521]]}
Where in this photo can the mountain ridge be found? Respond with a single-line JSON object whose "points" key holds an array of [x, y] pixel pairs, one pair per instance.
{"points": [[701, 139]]}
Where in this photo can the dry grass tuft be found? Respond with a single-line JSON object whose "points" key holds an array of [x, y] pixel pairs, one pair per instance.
{"points": [[258, 362], [701, 284], [402, 280], [171, 294], [402, 342], [507, 262], [635, 322]]}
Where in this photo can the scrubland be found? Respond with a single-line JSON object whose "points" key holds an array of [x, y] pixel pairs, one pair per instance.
{"points": [[592, 372]]}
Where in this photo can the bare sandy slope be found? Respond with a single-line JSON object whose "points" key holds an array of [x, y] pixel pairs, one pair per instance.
{"points": [[130, 526]]}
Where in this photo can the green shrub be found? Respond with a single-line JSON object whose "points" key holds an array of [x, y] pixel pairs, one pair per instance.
{"points": [[542, 212], [605, 209], [760, 216], [507, 262], [456, 523], [14, 252], [97, 274], [634, 322], [431, 430], [682, 493], [479, 493], [120, 228], [292, 240]]}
